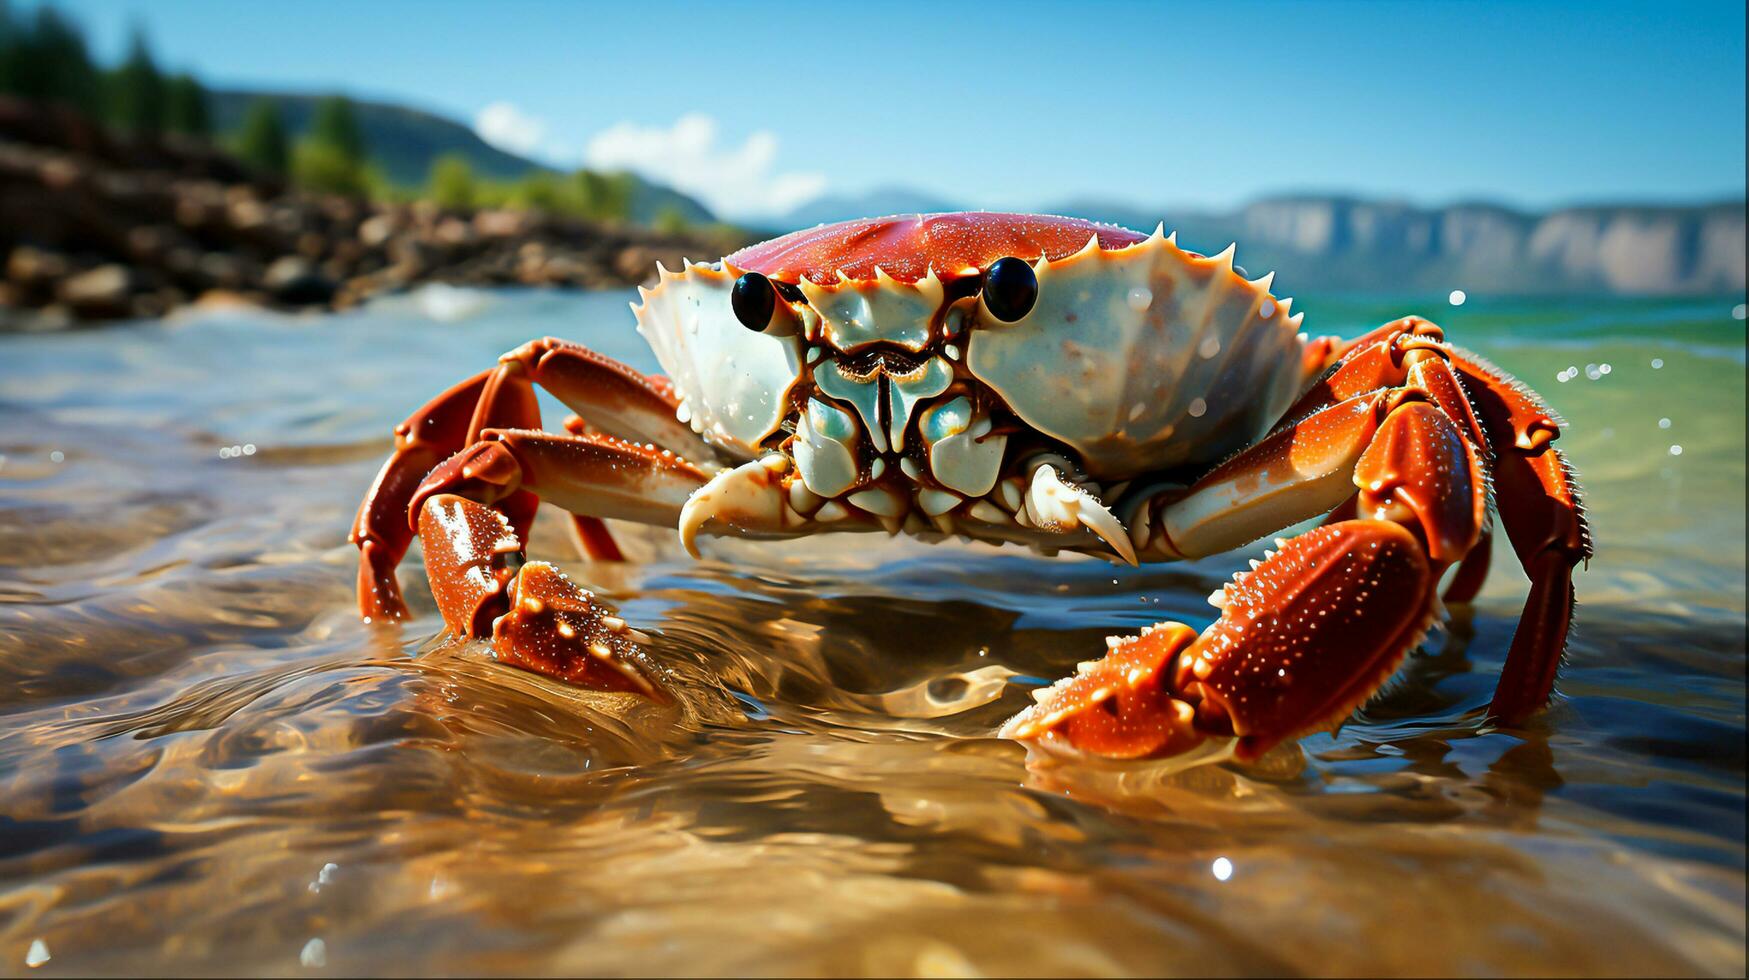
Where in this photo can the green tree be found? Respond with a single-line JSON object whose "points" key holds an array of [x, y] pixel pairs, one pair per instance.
{"points": [[185, 109], [451, 183], [336, 126], [262, 140], [332, 157], [542, 191], [47, 61], [137, 91], [671, 221], [10, 36], [605, 197], [323, 166]]}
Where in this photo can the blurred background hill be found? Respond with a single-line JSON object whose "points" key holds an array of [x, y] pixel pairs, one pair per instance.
{"points": [[176, 189], [405, 143]]}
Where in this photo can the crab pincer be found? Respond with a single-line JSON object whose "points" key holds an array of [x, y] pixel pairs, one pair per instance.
{"points": [[1305, 636], [537, 617]]}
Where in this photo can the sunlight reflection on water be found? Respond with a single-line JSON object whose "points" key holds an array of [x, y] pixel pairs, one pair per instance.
{"points": [[208, 765]]}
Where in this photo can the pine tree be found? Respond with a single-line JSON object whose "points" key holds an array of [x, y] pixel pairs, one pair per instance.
{"points": [[451, 182], [336, 127], [262, 140], [10, 36], [605, 197], [47, 61], [137, 96], [185, 108], [332, 157]]}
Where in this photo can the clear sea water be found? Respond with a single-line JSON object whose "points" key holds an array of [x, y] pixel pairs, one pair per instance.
{"points": [[208, 766]]}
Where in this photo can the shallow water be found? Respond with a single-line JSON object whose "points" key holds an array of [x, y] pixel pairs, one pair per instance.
{"points": [[207, 765]]}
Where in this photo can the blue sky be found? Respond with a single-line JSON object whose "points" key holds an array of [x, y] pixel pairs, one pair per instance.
{"points": [[1018, 105]]}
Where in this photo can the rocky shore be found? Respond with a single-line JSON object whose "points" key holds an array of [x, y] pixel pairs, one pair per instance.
{"points": [[94, 227]]}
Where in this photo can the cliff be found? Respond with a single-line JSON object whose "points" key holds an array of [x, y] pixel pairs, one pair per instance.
{"points": [[1350, 243]]}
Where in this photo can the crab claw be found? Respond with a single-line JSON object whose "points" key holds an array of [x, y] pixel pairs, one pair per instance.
{"points": [[1304, 638], [1119, 707], [748, 499], [558, 629], [538, 619], [1054, 504], [485, 472], [1311, 633], [471, 553]]}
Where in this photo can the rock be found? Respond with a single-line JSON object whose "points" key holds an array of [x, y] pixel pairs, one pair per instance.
{"points": [[340, 211], [99, 293], [146, 305], [288, 219], [500, 224], [247, 214], [347, 250], [100, 227], [425, 214], [412, 255], [312, 244], [224, 299], [295, 281], [182, 261], [194, 214], [148, 243], [29, 266], [46, 319], [60, 173], [453, 231], [377, 230], [338, 270], [634, 263], [223, 270]]}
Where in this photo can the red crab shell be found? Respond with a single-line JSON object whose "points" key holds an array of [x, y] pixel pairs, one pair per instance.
{"points": [[907, 246]]}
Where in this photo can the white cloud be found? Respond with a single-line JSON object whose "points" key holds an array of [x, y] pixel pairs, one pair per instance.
{"points": [[734, 181], [506, 127]]}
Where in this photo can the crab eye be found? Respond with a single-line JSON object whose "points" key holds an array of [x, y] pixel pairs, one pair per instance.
{"points": [[754, 301], [1010, 289]]}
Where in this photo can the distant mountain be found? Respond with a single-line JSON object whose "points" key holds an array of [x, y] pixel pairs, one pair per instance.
{"points": [[1350, 243], [1315, 241], [404, 142], [843, 207]]}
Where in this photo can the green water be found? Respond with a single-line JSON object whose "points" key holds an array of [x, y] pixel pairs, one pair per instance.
{"points": [[208, 766]]}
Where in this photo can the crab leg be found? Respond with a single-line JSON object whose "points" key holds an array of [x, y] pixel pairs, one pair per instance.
{"points": [[1313, 629], [1535, 489], [593, 474], [1467, 581], [1316, 627], [590, 534], [615, 399], [1378, 359], [428, 436], [609, 397], [1537, 495], [537, 618], [1323, 353]]}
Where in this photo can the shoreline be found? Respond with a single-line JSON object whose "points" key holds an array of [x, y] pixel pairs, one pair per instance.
{"points": [[97, 228]]}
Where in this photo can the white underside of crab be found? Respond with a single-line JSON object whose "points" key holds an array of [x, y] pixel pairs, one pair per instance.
{"points": [[881, 404]]}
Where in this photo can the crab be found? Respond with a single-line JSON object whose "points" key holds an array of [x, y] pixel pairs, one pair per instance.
{"points": [[1047, 381]]}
